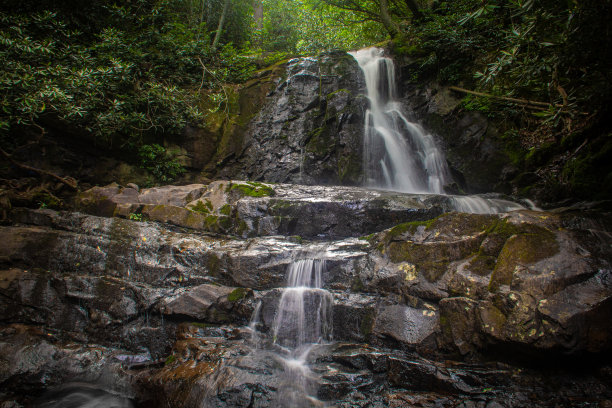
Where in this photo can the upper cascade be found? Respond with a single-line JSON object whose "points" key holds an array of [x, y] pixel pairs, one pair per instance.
{"points": [[397, 154]]}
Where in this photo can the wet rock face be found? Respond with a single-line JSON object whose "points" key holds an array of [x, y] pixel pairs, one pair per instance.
{"points": [[471, 143], [310, 127], [520, 279], [158, 288], [249, 209]]}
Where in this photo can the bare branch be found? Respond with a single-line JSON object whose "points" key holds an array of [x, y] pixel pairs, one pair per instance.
{"points": [[69, 181]]}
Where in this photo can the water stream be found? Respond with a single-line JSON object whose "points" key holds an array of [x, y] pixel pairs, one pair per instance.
{"points": [[397, 153], [400, 155], [303, 320]]}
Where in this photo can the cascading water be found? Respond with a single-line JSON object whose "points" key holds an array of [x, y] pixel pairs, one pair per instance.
{"points": [[302, 321], [303, 314], [397, 154]]}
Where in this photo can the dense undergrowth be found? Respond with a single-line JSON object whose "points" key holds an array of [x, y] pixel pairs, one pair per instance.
{"points": [[544, 65]]}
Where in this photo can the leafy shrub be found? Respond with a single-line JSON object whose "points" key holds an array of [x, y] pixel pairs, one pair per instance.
{"points": [[155, 159]]}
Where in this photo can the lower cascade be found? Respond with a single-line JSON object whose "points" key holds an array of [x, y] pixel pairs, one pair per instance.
{"points": [[303, 320], [304, 311]]}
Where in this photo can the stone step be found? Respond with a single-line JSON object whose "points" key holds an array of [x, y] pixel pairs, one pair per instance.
{"points": [[249, 209]]}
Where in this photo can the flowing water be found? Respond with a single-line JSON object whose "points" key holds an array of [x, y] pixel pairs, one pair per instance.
{"points": [[302, 321], [397, 153], [400, 155]]}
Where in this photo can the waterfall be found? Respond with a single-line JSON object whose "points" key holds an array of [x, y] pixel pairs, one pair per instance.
{"points": [[304, 311], [397, 154], [303, 320]]}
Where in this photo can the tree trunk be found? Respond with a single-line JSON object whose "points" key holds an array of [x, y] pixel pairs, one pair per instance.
{"points": [[220, 26], [258, 14], [258, 17], [202, 11], [389, 24]]}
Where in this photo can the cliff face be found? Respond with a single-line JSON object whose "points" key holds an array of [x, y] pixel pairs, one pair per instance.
{"points": [[309, 128]]}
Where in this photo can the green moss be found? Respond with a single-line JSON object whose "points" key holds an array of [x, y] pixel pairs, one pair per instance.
{"points": [[226, 209], [200, 325], [224, 222], [332, 94], [370, 238], [408, 227], [522, 249], [253, 189], [211, 222], [242, 228], [280, 204], [318, 142], [171, 359], [201, 207], [237, 294], [432, 258]]}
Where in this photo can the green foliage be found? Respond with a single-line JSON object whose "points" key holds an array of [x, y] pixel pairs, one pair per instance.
{"points": [[122, 74], [155, 159], [135, 217], [310, 26], [112, 84], [47, 200]]}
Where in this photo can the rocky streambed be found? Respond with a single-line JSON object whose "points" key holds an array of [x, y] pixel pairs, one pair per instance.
{"points": [[144, 297]]}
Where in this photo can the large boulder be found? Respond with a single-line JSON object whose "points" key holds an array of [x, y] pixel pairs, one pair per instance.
{"points": [[523, 279]]}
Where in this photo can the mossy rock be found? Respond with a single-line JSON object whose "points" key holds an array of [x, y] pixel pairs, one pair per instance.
{"points": [[179, 216], [237, 294], [431, 259], [218, 223], [522, 250], [204, 207], [408, 227], [319, 142], [481, 264], [252, 189]]}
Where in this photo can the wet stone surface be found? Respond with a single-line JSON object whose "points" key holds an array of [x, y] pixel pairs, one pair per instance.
{"points": [[160, 314]]}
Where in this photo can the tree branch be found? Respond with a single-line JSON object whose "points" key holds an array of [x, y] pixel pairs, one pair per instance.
{"points": [[69, 181], [505, 98]]}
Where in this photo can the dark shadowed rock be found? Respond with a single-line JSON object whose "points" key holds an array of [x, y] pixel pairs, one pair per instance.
{"points": [[309, 129]]}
